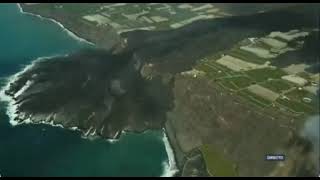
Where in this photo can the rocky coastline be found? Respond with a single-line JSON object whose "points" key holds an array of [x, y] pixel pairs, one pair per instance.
{"points": [[136, 89]]}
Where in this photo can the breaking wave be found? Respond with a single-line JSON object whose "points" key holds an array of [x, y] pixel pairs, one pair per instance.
{"points": [[169, 167], [12, 107]]}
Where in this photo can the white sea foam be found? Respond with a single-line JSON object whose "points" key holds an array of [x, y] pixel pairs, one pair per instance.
{"points": [[27, 121], [74, 128], [112, 141], [56, 22], [12, 107], [25, 87], [169, 166], [91, 134], [51, 123]]}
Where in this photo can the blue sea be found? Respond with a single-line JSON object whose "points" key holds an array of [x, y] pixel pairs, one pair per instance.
{"points": [[42, 150]]}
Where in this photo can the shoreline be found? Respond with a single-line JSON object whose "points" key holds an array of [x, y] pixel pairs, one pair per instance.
{"points": [[11, 106], [170, 168], [70, 33]]}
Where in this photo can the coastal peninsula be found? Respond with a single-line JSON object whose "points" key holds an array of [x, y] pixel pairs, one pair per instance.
{"points": [[178, 79]]}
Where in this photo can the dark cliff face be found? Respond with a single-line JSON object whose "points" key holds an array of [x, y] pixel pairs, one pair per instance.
{"points": [[93, 89]]}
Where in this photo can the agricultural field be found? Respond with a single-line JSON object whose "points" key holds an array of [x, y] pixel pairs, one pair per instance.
{"points": [[252, 77], [213, 69], [150, 16], [277, 85], [236, 82], [260, 75], [300, 94], [263, 92], [254, 99], [125, 17], [248, 56], [295, 106]]}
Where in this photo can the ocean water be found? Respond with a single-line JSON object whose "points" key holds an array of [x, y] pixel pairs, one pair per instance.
{"points": [[42, 150]]}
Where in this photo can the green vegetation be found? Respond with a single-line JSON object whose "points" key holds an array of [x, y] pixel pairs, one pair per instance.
{"points": [[181, 14], [268, 77], [228, 84], [73, 9], [241, 81], [217, 164], [129, 9], [264, 74], [211, 71], [80, 8], [298, 95], [157, 6], [236, 82], [295, 106], [214, 70], [246, 56], [257, 100], [277, 85], [118, 18], [222, 68]]}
